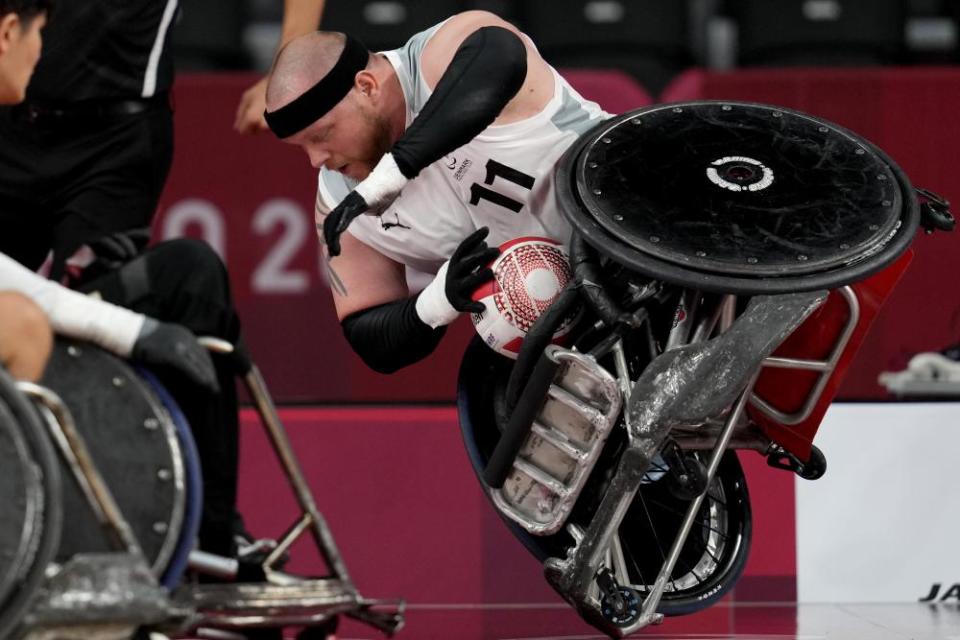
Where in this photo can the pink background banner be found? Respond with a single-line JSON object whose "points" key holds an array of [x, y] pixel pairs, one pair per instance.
{"points": [[252, 199], [411, 521]]}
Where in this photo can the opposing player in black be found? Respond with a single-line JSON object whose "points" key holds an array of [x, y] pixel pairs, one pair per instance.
{"points": [[83, 161]]}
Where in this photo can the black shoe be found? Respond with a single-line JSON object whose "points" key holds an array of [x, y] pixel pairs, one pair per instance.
{"points": [[326, 630], [252, 551]]}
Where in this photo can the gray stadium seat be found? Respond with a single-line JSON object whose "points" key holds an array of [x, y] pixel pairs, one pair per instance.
{"points": [[613, 90], [386, 24], [819, 32], [649, 39]]}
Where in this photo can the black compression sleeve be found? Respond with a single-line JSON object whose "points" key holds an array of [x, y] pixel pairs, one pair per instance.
{"points": [[486, 72], [390, 336]]}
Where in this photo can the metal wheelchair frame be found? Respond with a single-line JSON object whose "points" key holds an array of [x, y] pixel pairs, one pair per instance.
{"points": [[129, 595]]}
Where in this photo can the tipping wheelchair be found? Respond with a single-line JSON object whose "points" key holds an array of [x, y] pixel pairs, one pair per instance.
{"points": [[729, 259]]}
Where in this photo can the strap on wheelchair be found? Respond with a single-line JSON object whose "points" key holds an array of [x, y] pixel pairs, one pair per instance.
{"points": [[586, 271], [934, 212]]}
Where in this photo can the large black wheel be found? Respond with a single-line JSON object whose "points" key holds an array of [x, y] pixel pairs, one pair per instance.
{"points": [[134, 445], [716, 196], [716, 551], [30, 492]]}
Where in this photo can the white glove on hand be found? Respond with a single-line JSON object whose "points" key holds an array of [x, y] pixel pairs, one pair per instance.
{"points": [[371, 197], [382, 186]]}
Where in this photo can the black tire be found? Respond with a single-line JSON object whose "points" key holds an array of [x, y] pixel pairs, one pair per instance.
{"points": [[571, 205], [48, 520], [727, 496], [110, 405], [480, 389]]}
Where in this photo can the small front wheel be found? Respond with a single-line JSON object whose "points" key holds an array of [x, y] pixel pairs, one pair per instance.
{"points": [[624, 612]]}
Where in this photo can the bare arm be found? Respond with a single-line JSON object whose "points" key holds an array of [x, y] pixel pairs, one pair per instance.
{"points": [[114, 328], [25, 336], [299, 17], [369, 278], [378, 319], [385, 326]]}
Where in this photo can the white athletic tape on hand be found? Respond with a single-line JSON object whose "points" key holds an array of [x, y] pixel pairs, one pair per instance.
{"points": [[433, 307], [382, 186]]}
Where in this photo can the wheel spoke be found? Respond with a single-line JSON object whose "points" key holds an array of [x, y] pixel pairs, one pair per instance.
{"points": [[636, 566], [716, 498], [653, 529], [665, 507], [712, 557], [677, 512], [684, 568]]}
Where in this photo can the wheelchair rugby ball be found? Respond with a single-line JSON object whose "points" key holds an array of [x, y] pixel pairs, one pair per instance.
{"points": [[528, 276]]}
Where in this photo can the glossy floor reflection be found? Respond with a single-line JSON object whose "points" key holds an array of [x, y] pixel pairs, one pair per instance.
{"points": [[739, 621]]}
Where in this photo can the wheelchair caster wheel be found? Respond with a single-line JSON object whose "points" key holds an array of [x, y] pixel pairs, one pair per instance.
{"points": [[815, 467], [812, 469], [628, 611]]}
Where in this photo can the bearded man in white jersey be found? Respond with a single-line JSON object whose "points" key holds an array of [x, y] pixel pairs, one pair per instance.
{"points": [[467, 121]]}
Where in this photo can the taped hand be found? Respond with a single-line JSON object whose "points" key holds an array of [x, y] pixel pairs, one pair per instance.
{"points": [[173, 346], [372, 197]]}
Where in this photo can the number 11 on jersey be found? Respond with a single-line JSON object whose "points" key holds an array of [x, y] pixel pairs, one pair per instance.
{"points": [[497, 170]]}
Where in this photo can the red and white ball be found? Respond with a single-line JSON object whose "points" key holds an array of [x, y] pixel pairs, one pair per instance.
{"points": [[528, 276]]}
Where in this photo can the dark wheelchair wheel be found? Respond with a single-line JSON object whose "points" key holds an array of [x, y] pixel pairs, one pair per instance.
{"points": [[737, 197], [133, 443], [716, 551], [193, 480], [30, 492]]}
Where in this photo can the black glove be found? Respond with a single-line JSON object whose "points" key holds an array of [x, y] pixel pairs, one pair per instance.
{"points": [[110, 252], [117, 249], [171, 345], [340, 218], [468, 270]]}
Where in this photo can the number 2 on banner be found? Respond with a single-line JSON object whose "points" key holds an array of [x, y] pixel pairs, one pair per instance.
{"points": [[273, 276], [497, 170]]}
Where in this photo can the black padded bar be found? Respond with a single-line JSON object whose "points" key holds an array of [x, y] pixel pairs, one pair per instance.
{"points": [[538, 339]]}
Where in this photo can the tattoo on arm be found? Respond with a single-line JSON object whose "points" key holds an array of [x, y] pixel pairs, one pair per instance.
{"points": [[332, 276]]}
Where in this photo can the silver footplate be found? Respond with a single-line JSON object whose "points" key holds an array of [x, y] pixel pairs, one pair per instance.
{"points": [[582, 406]]}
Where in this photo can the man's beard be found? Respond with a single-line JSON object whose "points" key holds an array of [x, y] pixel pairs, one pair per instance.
{"points": [[380, 143]]}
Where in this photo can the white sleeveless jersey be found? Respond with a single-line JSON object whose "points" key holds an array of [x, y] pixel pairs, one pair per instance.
{"points": [[502, 179]]}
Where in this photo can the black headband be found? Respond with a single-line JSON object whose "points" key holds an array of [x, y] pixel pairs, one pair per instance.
{"points": [[316, 101]]}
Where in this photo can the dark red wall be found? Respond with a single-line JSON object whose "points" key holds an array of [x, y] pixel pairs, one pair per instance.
{"points": [[252, 197]]}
